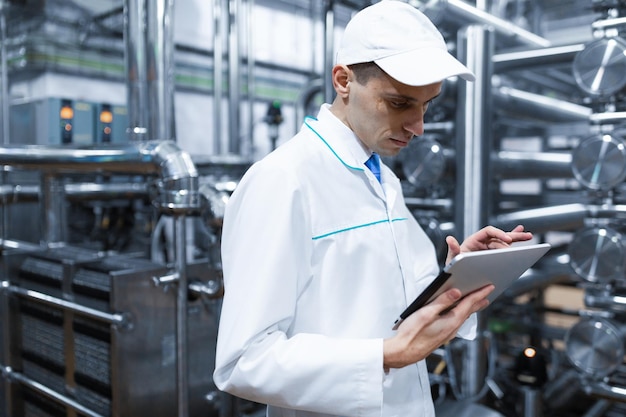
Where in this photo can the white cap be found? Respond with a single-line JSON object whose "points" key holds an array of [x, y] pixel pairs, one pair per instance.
{"points": [[402, 41]]}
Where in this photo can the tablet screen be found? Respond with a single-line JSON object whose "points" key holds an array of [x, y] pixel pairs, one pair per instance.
{"points": [[470, 271]]}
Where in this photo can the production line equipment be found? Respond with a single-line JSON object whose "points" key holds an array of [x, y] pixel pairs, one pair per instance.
{"points": [[580, 366], [99, 333]]}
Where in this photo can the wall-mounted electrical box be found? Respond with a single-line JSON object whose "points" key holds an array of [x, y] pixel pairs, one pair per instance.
{"points": [[59, 121]]}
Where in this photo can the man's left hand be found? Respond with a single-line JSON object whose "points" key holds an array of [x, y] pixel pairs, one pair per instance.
{"points": [[486, 238]]}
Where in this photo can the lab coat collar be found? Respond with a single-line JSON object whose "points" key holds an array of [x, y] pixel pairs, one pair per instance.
{"points": [[340, 139]]}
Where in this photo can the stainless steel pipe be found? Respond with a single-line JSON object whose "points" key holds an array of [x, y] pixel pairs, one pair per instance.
{"points": [[149, 44], [52, 203], [219, 33], [159, 41], [605, 301], [563, 217], [116, 319], [604, 390], [512, 164], [329, 42], [609, 117], [533, 58], [545, 109], [178, 185], [182, 362], [162, 158], [608, 23], [234, 76], [12, 194], [136, 69], [4, 74], [474, 15], [49, 393], [473, 141]]}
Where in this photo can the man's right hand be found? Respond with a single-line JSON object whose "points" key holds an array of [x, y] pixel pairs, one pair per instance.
{"points": [[427, 329]]}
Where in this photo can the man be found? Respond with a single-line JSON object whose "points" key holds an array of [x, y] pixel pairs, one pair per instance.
{"points": [[320, 257]]}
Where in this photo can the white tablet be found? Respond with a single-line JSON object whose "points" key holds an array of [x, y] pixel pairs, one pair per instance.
{"points": [[470, 271]]}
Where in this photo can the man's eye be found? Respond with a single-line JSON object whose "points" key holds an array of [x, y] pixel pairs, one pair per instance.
{"points": [[398, 104]]}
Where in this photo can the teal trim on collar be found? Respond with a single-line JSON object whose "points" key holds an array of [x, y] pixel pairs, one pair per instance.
{"points": [[326, 143], [347, 229]]}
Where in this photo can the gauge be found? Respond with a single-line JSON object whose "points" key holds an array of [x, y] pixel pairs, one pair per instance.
{"points": [[597, 254], [599, 162], [423, 162], [600, 68], [595, 347]]}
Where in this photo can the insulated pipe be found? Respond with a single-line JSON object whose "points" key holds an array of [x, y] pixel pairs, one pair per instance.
{"points": [[473, 136], [182, 363], [149, 157], [52, 202], [178, 185], [119, 320], [49, 393], [475, 15], [604, 390], [429, 203], [511, 164], [4, 71], [234, 79], [533, 58], [218, 71], [544, 108], [178, 175], [602, 299], [149, 43], [329, 46], [446, 127], [159, 41], [248, 144], [17, 245], [563, 217], [13, 194], [104, 191], [612, 117], [608, 23], [473, 144], [5, 345], [137, 69]]}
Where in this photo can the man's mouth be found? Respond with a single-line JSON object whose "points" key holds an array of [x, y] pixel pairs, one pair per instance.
{"points": [[401, 143]]}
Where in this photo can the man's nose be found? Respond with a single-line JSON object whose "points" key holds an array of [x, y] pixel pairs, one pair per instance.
{"points": [[415, 126]]}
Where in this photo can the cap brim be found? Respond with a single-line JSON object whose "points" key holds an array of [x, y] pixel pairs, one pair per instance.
{"points": [[424, 66]]}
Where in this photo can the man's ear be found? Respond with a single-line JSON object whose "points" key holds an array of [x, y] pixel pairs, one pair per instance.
{"points": [[341, 80]]}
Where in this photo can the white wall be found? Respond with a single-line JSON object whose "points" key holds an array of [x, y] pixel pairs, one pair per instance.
{"points": [[287, 39]]}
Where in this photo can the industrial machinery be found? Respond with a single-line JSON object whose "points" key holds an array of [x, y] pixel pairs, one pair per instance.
{"points": [[76, 326], [110, 231]]}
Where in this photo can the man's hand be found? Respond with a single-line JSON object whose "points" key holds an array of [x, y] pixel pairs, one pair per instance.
{"points": [[427, 329], [486, 238]]}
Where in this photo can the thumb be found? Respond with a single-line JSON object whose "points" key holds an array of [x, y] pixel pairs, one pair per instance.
{"points": [[454, 248]]}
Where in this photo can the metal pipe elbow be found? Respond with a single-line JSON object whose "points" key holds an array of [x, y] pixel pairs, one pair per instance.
{"points": [[178, 184]]}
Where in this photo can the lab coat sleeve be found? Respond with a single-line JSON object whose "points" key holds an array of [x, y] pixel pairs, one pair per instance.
{"points": [[266, 252], [468, 329]]}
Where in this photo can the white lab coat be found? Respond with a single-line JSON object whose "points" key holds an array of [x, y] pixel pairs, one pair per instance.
{"points": [[319, 259]]}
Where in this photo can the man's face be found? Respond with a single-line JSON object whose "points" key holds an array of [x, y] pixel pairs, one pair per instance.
{"points": [[386, 114]]}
